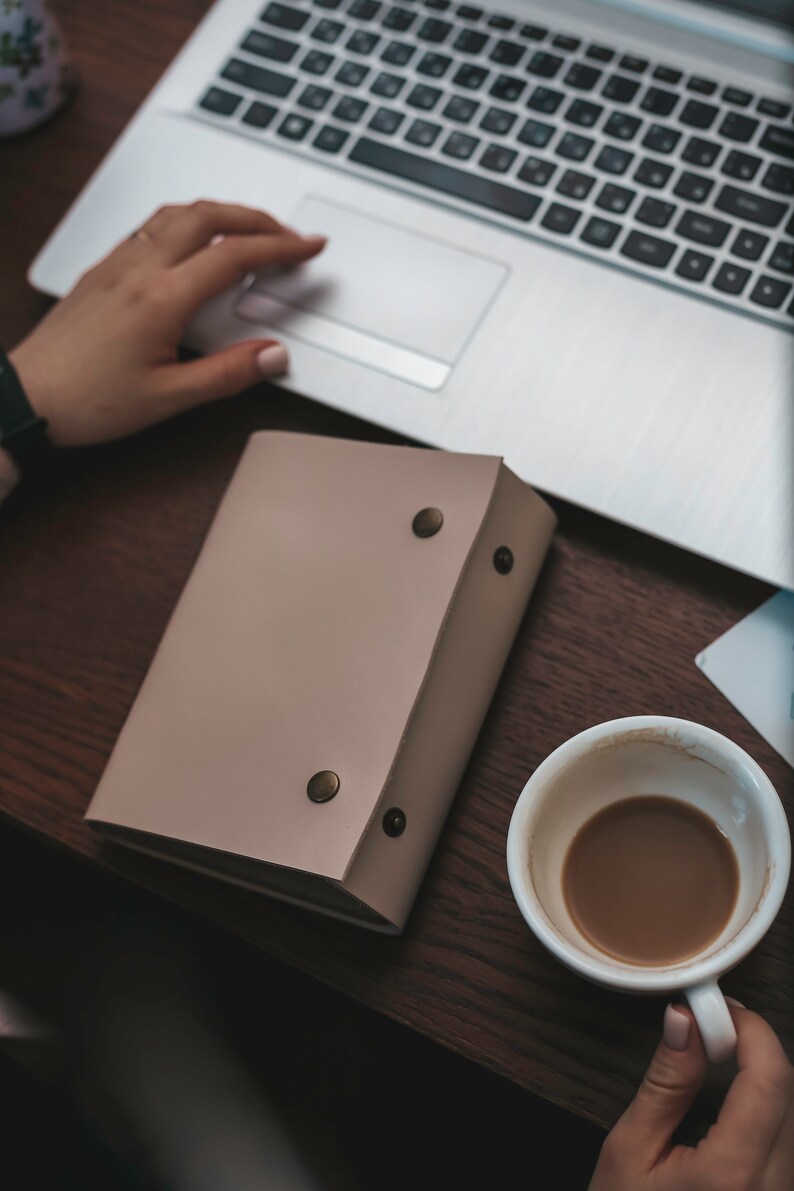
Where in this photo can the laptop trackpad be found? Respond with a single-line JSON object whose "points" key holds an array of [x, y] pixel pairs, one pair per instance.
{"points": [[379, 294]]}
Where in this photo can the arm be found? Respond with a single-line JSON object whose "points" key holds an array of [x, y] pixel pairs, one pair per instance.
{"points": [[8, 474]]}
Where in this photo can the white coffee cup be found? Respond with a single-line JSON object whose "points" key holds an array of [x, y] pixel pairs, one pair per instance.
{"points": [[653, 755]]}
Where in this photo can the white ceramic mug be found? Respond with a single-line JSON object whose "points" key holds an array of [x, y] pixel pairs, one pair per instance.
{"points": [[35, 72], [654, 755]]}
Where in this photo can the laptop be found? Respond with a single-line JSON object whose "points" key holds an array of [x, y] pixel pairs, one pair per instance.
{"points": [[562, 233]]}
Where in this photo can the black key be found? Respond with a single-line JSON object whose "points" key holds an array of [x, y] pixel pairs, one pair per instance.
{"points": [[532, 32], [621, 89], [498, 158], [564, 42], [223, 103], [316, 62], [469, 76], [294, 128], [434, 65], [616, 199], [582, 77], [649, 250], [386, 120], [741, 165], [737, 127], [731, 279], [584, 113], [507, 87], [667, 74], [694, 187], [782, 257], [778, 140], [536, 133], [544, 99], [257, 78], [362, 42], [536, 172], [327, 31], [398, 53], [314, 97], [621, 126], [613, 160], [498, 121], [499, 22], [704, 229], [561, 219], [694, 265], [460, 109], [399, 19], [779, 178], [704, 86], [575, 185], [697, 114], [774, 108], [658, 101], [260, 115], [364, 10], [423, 133], [741, 99], [330, 139], [267, 46], [460, 144], [546, 65], [506, 53], [789, 228], [350, 109], [661, 139], [469, 41], [601, 233], [351, 74], [327, 3], [483, 192], [633, 63], [387, 85], [653, 173], [770, 292], [749, 245], [421, 96], [599, 53], [749, 206], [440, 5], [433, 30], [574, 147], [284, 17], [700, 152], [468, 12], [654, 212]]}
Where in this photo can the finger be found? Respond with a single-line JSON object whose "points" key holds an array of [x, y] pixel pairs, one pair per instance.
{"points": [[221, 374], [780, 1169], [176, 232], [760, 1096], [672, 1081], [222, 265]]}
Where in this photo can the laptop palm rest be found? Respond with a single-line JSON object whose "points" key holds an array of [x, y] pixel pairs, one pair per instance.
{"points": [[380, 294]]}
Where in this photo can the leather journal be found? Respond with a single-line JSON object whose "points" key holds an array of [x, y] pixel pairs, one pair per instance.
{"points": [[308, 714]]}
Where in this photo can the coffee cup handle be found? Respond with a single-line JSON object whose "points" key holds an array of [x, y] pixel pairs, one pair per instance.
{"points": [[713, 1019]]}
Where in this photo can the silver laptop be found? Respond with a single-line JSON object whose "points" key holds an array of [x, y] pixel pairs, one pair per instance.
{"points": [[559, 232]]}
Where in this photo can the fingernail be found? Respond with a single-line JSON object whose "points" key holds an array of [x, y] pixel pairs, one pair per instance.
{"points": [[273, 360], [676, 1028], [733, 1001], [316, 239]]}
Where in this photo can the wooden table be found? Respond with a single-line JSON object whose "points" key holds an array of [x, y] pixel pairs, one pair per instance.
{"points": [[91, 570]]}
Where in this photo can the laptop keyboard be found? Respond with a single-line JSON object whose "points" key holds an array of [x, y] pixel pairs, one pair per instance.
{"points": [[683, 178]]}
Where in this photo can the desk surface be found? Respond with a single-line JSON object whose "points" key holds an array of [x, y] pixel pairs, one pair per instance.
{"points": [[90, 572]]}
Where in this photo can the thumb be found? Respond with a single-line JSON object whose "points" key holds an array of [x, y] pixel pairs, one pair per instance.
{"points": [[672, 1081], [223, 373]]}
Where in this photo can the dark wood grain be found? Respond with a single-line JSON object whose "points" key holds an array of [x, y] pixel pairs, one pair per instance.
{"points": [[91, 566]]}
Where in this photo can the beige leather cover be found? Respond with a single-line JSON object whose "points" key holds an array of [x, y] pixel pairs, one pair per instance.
{"points": [[318, 632]]}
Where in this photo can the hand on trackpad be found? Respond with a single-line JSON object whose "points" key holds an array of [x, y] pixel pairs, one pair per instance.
{"points": [[380, 294]]}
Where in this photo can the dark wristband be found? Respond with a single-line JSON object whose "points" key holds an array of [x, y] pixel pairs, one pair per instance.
{"points": [[22, 432]]}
